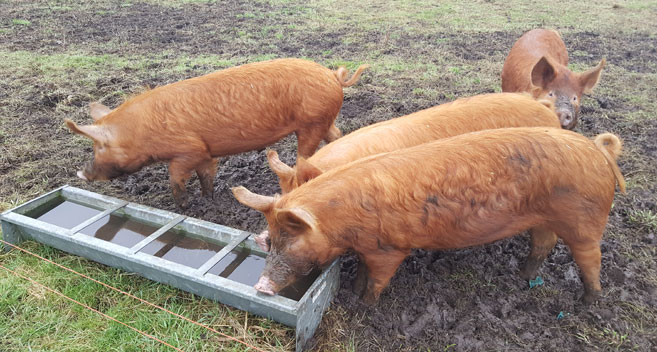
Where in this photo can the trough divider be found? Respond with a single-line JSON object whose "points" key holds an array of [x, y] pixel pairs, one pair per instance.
{"points": [[221, 254], [143, 243], [95, 218], [35, 202]]}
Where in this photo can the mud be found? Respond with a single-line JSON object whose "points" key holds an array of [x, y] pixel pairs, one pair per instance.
{"points": [[465, 300]]}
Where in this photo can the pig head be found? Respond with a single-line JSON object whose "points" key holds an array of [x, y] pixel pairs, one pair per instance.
{"points": [[114, 154], [537, 63], [297, 243], [556, 82]]}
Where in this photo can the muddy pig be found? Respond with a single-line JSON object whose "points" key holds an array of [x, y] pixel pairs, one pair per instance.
{"points": [[461, 116], [537, 63], [456, 192], [193, 122]]}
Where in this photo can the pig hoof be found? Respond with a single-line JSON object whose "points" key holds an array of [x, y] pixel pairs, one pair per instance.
{"points": [[529, 270], [369, 298], [261, 240], [265, 286], [527, 273], [590, 297]]}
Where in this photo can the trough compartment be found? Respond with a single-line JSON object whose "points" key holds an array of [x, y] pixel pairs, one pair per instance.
{"points": [[207, 259]]}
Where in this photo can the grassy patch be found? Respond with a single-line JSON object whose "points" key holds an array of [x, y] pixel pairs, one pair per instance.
{"points": [[423, 15], [20, 22], [40, 318], [644, 219]]}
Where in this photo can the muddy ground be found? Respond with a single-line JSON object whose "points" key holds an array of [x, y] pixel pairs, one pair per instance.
{"points": [[465, 300]]}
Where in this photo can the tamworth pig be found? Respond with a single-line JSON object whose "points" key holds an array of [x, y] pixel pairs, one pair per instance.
{"points": [[537, 63], [457, 192], [461, 116], [193, 122]]}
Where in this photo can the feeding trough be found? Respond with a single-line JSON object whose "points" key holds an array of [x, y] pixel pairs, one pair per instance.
{"points": [[207, 259]]}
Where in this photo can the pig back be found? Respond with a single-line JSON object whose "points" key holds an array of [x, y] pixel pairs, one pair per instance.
{"points": [[461, 191], [486, 111], [525, 53], [237, 109]]}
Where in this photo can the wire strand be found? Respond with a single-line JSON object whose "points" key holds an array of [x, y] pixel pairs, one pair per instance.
{"points": [[90, 308], [135, 297]]}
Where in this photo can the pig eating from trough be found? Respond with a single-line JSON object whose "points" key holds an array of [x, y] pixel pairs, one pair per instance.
{"points": [[537, 63], [192, 123], [456, 192], [464, 115]]}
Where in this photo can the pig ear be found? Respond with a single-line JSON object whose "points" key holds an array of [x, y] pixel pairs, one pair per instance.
{"points": [[543, 73], [297, 220], [306, 171], [98, 110], [280, 168], [252, 200], [590, 78], [99, 134]]}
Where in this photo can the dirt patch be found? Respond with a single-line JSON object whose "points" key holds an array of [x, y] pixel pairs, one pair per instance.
{"points": [[462, 300]]}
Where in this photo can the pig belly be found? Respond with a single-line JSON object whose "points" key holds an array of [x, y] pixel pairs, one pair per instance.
{"points": [[479, 231], [248, 140]]}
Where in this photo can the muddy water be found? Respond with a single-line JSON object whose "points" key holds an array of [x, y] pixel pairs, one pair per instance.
{"points": [[181, 249], [244, 267], [63, 213], [299, 288], [240, 266], [119, 230]]}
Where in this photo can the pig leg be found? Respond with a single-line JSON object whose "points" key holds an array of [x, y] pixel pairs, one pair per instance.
{"points": [[308, 139], [587, 256], [542, 243], [381, 266], [180, 170], [332, 134], [206, 172], [360, 282]]}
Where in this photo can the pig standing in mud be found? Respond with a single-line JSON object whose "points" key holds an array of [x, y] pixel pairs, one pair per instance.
{"points": [[537, 63], [464, 115], [456, 192], [193, 122]]}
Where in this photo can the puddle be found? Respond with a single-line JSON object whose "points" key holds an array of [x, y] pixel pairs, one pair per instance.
{"points": [[245, 268], [63, 213], [178, 248], [120, 230], [240, 266]]}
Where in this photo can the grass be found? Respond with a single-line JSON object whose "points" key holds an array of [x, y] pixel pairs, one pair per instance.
{"points": [[487, 16], [48, 321], [644, 219], [20, 22]]}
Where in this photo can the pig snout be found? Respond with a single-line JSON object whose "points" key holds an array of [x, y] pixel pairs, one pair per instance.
{"points": [[567, 118], [81, 175], [87, 172], [265, 286], [263, 240]]}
